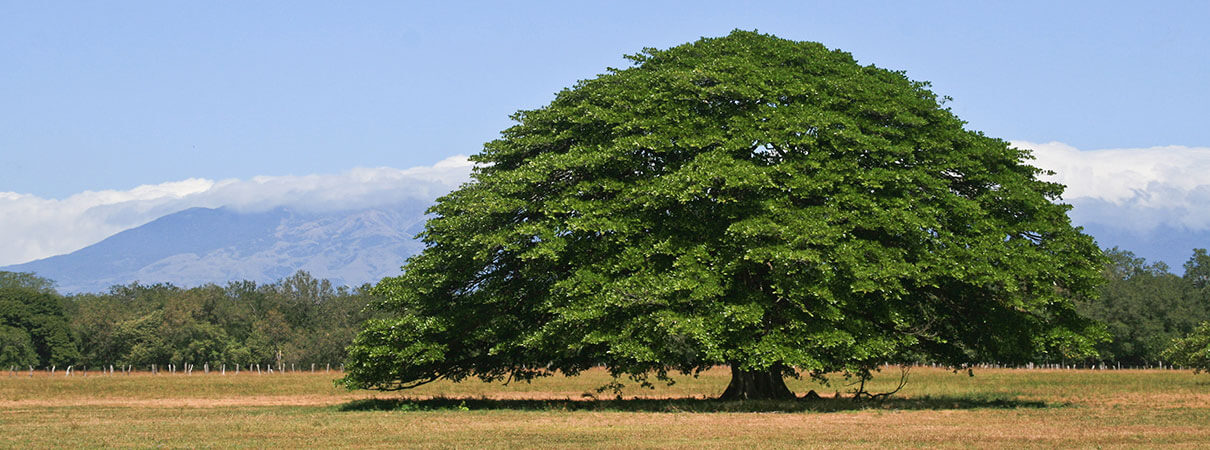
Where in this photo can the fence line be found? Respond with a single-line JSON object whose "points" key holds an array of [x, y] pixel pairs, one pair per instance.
{"points": [[184, 368]]}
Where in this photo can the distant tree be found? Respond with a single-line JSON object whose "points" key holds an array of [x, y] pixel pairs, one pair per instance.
{"points": [[1192, 351], [1197, 269], [16, 348], [306, 319], [1144, 306], [26, 280], [747, 200], [1197, 277], [140, 342], [32, 319]]}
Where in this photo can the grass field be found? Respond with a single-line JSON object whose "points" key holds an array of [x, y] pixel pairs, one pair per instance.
{"points": [[996, 407]]}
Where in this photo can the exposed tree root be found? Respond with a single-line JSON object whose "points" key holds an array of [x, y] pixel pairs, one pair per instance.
{"points": [[861, 394]]}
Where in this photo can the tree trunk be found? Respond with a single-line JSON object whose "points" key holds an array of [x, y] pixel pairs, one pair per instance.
{"points": [[759, 385]]}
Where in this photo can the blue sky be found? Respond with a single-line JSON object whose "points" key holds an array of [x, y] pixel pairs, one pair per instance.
{"points": [[117, 96]]}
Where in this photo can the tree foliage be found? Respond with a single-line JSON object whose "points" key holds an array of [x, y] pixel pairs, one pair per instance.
{"points": [[744, 200], [303, 319], [33, 328], [1192, 351], [1145, 306], [26, 280]]}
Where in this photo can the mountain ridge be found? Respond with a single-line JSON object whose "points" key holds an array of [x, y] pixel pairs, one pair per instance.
{"points": [[216, 245]]}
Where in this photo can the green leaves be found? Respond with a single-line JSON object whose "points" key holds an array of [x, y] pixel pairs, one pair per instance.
{"points": [[33, 328], [1192, 350], [740, 200], [1145, 307]]}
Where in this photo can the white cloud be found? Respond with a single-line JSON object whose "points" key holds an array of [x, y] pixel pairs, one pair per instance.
{"points": [[1138, 189], [33, 227]]}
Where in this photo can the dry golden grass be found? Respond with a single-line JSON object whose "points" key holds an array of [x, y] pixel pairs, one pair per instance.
{"points": [[1000, 408]]}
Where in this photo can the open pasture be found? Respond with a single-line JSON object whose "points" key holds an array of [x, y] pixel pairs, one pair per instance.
{"points": [[996, 407]]}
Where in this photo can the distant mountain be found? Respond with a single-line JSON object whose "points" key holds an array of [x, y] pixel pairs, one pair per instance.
{"points": [[202, 245]]}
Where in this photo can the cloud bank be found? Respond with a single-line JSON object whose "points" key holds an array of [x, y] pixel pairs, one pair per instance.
{"points": [[1138, 190], [33, 227]]}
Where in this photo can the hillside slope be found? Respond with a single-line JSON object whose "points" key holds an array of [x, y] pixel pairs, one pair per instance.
{"points": [[202, 245]]}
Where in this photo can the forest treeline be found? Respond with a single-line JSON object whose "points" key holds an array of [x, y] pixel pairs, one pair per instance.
{"points": [[303, 320], [297, 320], [1144, 306]]}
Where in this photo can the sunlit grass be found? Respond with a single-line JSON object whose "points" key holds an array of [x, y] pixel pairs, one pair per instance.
{"points": [[1037, 408]]}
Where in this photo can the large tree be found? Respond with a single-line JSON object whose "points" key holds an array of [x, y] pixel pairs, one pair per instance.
{"points": [[751, 201]]}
